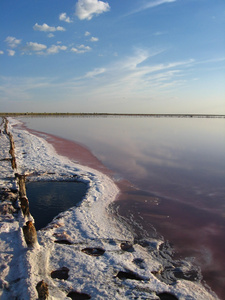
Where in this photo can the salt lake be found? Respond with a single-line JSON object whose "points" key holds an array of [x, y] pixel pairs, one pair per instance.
{"points": [[174, 169]]}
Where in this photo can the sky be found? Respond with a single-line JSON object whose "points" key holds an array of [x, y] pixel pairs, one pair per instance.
{"points": [[119, 56]]}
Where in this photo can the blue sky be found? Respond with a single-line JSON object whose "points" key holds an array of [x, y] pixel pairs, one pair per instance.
{"points": [[139, 56]]}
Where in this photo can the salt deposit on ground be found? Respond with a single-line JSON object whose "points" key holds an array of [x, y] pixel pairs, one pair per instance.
{"points": [[89, 237]]}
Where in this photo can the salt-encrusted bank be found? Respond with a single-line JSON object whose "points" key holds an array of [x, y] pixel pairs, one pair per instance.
{"points": [[83, 244]]}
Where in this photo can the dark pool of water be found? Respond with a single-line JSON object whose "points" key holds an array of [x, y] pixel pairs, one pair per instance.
{"points": [[48, 199]]}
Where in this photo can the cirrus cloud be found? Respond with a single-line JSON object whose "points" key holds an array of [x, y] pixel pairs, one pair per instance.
{"points": [[95, 72], [150, 4], [45, 27], [86, 9]]}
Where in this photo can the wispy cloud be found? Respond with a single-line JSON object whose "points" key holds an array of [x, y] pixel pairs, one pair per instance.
{"points": [[212, 60], [150, 4], [134, 75], [86, 9], [131, 77], [158, 33], [47, 28], [1, 52], [21, 88], [95, 72]]}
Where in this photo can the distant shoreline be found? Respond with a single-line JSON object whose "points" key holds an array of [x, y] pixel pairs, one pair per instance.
{"points": [[4, 114]]}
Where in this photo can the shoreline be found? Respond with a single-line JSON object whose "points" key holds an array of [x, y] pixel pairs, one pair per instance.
{"points": [[126, 189], [82, 155], [88, 227], [72, 150]]}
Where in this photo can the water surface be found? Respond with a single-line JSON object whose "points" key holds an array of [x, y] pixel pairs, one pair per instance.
{"points": [[48, 199], [177, 166]]}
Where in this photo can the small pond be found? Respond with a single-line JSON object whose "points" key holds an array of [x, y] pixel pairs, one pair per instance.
{"points": [[48, 199]]}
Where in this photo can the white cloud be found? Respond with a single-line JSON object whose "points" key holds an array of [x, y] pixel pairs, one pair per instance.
{"points": [[16, 90], [30, 46], [11, 52], [63, 17], [86, 9], [12, 41], [87, 33], [81, 49], [95, 72], [158, 33], [151, 4], [134, 75], [1, 52], [46, 28], [42, 49], [55, 49], [50, 35], [94, 39]]}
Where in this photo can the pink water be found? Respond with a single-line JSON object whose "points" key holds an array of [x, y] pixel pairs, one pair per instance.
{"points": [[176, 174]]}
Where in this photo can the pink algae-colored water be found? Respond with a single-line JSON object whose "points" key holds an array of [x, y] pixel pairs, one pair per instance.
{"points": [[173, 200]]}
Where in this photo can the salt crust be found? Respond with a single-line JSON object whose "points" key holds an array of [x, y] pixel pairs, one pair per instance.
{"points": [[88, 225]]}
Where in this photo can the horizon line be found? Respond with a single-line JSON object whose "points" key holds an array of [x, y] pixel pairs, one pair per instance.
{"points": [[110, 114]]}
